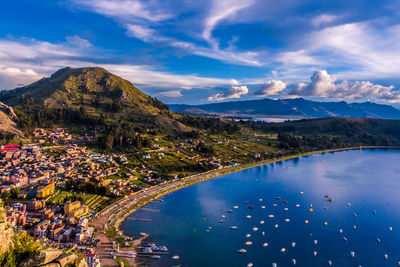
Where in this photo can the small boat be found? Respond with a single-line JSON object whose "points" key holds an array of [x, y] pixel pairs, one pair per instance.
{"points": [[310, 210], [261, 222], [235, 207], [274, 264], [275, 204], [203, 219], [250, 265], [390, 228], [250, 207], [378, 240], [248, 216], [229, 211], [341, 231], [248, 243], [325, 208], [374, 211], [354, 215], [286, 209], [301, 193], [306, 221], [315, 253], [297, 205], [352, 254], [326, 223], [386, 256], [260, 199], [176, 257], [276, 226], [293, 244], [330, 263], [242, 250], [354, 227], [221, 221], [209, 228], [283, 250], [315, 242], [294, 261], [263, 207], [156, 257], [263, 233], [348, 204], [265, 245], [248, 235], [278, 198], [310, 205], [234, 227], [345, 239], [271, 216], [131, 255], [223, 216], [285, 201], [287, 220], [330, 199], [255, 229], [245, 202]]}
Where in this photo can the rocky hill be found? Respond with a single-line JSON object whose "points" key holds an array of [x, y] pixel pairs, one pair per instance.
{"points": [[90, 95], [8, 126]]}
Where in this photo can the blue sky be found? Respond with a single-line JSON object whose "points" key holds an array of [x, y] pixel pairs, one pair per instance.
{"points": [[187, 51]]}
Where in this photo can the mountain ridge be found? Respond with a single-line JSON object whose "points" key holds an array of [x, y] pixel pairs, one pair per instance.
{"points": [[292, 107]]}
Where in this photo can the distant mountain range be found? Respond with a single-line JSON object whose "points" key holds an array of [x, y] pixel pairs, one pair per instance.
{"points": [[292, 107]]}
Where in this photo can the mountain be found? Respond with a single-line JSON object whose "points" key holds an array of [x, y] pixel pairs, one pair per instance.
{"points": [[7, 122], [293, 107], [91, 94]]}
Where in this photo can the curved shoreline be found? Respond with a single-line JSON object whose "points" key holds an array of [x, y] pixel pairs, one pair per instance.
{"points": [[124, 208]]}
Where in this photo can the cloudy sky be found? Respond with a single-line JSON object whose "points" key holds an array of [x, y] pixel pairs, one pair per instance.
{"points": [[190, 51]]}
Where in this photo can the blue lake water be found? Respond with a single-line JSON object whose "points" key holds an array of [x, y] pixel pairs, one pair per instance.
{"points": [[368, 179]]}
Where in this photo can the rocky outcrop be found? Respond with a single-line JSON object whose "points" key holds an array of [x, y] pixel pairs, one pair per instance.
{"points": [[41, 258], [66, 259], [7, 121], [6, 233]]}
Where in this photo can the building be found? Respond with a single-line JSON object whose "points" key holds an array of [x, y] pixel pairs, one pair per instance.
{"points": [[75, 209], [45, 191]]}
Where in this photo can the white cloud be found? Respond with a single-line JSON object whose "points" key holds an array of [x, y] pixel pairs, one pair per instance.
{"points": [[129, 10], [323, 19], [234, 92], [141, 32], [273, 87], [324, 85], [77, 41], [221, 10], [171, 94]]}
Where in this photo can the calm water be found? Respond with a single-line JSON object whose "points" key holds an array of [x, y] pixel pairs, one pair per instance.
{"points": [[368, 179]]}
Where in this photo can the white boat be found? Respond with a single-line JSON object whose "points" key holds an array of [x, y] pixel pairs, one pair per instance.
{"points": [[341, 231], [131, 255], [297, 205], [283, 250], [223, 216], [301, 193], [248, 243], [221, 221], [354, 227], [287, 220], [293, 244], [275, 205], [345, 239], [386, 256], [260, 199], [352, 254], [263, 207], [276, 225], [378, 240], [274, 265], [263, 233], [242, 250], [255, 229], [354, 215], [348, 204], [248, 235], [261, 222], [250, 265], [315, 253], [265, 245], [271, 216], [330, 263], [234, 227], [374, 211], [235, 207], [156, 257], [315, 242], [286, 209], [390, 228], [294, 261], [176, 257], [248, 216]]}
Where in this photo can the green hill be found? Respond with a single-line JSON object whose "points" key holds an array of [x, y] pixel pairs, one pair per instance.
{"points": [[91, 94]]}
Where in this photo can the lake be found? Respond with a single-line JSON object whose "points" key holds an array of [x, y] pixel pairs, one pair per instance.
{"points": [[364, 186]]}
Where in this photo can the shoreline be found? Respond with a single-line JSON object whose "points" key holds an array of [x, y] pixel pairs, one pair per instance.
{"points": [[141, 198]]}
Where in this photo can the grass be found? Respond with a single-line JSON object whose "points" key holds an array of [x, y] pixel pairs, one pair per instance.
{"points": [[123, 261], [59, 196]]}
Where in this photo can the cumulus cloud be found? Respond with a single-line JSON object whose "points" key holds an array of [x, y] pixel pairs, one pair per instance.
{"points": [[323, 19], [272, 87], [324, 85], [234, 92]]}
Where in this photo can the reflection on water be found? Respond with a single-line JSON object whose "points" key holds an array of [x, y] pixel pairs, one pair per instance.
{"points": [[368, 179]]}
